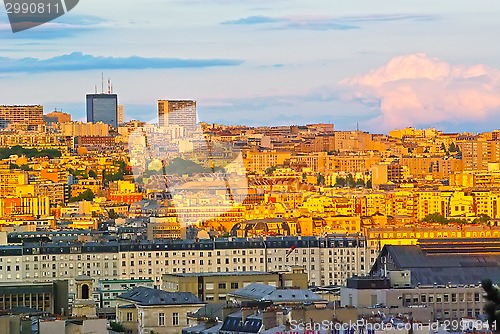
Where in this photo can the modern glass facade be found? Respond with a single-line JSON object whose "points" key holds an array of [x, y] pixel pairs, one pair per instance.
{"points": [[102, 108]]}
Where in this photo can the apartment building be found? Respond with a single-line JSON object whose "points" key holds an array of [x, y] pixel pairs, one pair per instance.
{"points": [[327, 261], [27, 117], [447, 302], [215, 287]]}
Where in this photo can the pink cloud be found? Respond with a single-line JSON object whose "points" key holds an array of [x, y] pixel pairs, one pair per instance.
{"points": [[416, 90]]}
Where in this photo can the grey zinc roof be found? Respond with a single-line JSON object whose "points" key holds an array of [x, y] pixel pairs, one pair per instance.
{"points": [[444, 268], [263, 292], [146, 296]]}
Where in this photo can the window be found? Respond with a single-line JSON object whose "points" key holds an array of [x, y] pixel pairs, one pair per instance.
{"points": [[175, 319], [222, 286], [161, 319], [129, 316], [234, 285]]}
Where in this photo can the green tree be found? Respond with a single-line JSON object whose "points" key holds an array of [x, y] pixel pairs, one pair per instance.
{"points": [[481, 219], [492, 306], [87, 195], [92, 174], [117, 327], [340, 182], [321, 179], [350, 181], [369, 183], [112, 214], [26, 167], [270, 170], [435, 218], [360, 183]]}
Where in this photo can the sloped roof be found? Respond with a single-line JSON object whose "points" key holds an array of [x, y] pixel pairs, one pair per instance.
{"points": [[234, 323], [263, 292], [428, 268], [147, 297]]}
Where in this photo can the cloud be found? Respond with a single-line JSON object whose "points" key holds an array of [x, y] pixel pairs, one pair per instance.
{"points": [[326, 22], [78, 61], [63, 27], [254, 20], [303, 23], [417, 90]]}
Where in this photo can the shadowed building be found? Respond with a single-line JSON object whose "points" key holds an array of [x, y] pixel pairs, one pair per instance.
{"points": [[102, 108]]}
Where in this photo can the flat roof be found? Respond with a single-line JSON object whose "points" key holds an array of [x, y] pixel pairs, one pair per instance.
{"points": [[225, 273]]}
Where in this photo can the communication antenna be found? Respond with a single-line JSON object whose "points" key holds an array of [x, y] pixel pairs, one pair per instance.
{"points": [[102, 83], [109, 86]]}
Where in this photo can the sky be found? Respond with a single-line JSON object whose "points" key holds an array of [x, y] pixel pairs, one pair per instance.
{"points": [[380, 64]]}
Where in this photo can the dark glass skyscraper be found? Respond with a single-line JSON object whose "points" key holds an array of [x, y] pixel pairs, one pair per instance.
{"points": [[102, 108]]}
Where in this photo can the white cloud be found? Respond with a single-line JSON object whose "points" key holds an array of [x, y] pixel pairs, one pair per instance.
{"points": [[417, 90]]}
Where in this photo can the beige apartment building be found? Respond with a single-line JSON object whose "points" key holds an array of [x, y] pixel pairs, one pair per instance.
{"points": [[326, 261], [215, 287], [27, 117], [144, 310]]}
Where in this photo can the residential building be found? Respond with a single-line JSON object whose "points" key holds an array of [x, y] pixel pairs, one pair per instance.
{"points": [[27, 117], [215, 287], [144, 310], [177, 112]]}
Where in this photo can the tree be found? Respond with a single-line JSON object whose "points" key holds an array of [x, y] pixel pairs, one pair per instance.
{"points": [[340, 182], [92, 174], [87, 195], [321, 179], [435, 218], [481, 219], [112, 214], [360, 183], [117, 327], [270, 170], [369, 183], [26, 167], [350, 180], [492, 306]]}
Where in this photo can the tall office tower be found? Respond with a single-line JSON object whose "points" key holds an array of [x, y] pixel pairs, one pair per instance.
{"points": [[121, 114], [28, 117], [102, 108], [177, 112]]}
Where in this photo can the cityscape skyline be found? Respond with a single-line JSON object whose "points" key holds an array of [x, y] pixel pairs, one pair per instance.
{"points": [[256, 58], [256, 167]]}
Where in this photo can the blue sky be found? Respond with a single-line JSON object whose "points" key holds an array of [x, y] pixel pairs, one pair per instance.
{"points": [[257, 62]]}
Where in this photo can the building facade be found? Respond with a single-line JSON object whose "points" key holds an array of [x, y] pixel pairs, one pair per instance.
{"points": [[102, 108], [177, 112], [326, 261], [21, 117]]}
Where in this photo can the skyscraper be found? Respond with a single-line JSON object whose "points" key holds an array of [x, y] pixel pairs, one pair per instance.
{"points": [[177, 112], [102, 108]]}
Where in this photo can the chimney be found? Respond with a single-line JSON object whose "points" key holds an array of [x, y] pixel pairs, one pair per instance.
{"points": [[245, 312]]}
